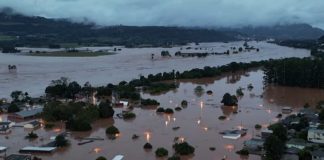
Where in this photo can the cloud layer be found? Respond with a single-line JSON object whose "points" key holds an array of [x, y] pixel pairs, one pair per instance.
{"points": [[222, 13]]}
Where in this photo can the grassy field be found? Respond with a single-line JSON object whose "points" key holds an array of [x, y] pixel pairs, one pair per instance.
{"points": [[71, 54]]}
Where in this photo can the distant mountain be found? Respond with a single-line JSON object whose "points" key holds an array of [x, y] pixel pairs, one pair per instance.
{"points": [[312, 44], [21, 30], [38, 31], [283, 32]]}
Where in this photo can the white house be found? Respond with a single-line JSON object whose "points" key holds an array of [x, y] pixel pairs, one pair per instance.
{"points": [[316, 136]]}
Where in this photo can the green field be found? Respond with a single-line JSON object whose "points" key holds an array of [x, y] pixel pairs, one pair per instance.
{"points": [[71, 54]]}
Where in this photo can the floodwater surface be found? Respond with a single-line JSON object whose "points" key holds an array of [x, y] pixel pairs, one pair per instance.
{"points": [[35, 73]]}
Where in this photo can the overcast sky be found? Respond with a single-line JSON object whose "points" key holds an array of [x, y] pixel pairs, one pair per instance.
{"points": [[222, 13]]}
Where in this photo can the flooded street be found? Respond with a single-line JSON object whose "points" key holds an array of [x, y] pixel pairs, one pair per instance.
{"points": [[198, 122], [35, 73]]}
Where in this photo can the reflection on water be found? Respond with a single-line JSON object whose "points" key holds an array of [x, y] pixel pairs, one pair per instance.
{"points": [[35, 73], [292, 96]]}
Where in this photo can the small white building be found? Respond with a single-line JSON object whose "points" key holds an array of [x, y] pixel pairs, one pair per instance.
{"points": [[32, 125], [316, 136]]}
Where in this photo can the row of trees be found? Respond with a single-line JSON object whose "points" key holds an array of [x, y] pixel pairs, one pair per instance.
{"points": [[304, 72]]}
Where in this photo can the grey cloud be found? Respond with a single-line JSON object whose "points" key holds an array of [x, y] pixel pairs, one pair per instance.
{"points": [[222, 13]]}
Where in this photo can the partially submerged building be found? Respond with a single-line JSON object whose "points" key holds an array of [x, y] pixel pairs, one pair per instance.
{"points": [[31, 149], [27, 114], [5, 127], [316, 135]]}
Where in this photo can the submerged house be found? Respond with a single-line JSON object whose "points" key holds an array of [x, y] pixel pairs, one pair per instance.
{"points": [[254, 144], [5, 127], [266, 133], [30, 149], [27, 114]]}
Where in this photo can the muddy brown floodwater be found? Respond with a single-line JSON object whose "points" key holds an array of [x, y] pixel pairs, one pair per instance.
{"points": [[35, 73], [199, 123]]}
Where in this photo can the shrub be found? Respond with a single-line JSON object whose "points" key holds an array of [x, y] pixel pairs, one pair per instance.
{"points": [[183, 148], [60, 141], [161, 152], [178, 109], [184, 103], [239, 92], [199, 91], [257, 126], [129, 115], [135, 136], [160, 110], [229, 100], [101, 158], [250, 87], [222, 117], [112, 130], [168, 111], [149, 102], [32, 135], [244, 152], [147, 146]]}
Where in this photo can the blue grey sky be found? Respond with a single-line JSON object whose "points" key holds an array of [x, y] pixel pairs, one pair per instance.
{"points": [[221, 13]]}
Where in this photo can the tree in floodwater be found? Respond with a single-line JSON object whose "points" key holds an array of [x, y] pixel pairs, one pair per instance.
{"points": [[229, 100], [274, 148]]}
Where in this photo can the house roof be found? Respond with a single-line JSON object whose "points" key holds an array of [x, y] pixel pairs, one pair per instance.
{"points": [[29, 113], [37, 149], [254, 142], [318, 153], [4, 123], [18, 157], [316, 130], [2, 148], [5, 106], [295, 141]]}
